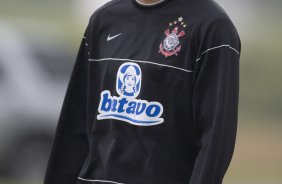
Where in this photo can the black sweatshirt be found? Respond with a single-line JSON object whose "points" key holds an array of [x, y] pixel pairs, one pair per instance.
{"points": [[152, 99]]}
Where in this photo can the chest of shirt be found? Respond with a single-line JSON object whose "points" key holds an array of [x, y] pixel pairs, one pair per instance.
{"points": [[135, 66], [160, 38]]}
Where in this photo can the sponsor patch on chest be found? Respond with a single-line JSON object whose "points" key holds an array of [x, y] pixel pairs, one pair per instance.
{"points": [[126, 107]]}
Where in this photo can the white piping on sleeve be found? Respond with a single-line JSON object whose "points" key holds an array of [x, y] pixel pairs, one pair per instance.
{"points": [[217, 47], [104, 181]]}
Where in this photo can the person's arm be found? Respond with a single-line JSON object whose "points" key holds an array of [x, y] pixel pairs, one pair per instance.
{"points": [[70, 145], [215, 101]]}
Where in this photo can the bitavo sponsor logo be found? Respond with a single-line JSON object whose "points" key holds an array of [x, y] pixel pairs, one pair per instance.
{"points": [[126, 107]]}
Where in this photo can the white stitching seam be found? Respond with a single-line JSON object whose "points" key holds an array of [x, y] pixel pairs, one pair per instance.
{"points": [[105, 181], [217, 48], [119, 59]]}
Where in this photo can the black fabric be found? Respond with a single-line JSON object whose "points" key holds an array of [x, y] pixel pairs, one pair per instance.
{"points": [[153, 97]]}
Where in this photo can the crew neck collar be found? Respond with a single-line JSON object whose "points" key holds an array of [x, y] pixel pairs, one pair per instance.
{"points": [[139, 3]]}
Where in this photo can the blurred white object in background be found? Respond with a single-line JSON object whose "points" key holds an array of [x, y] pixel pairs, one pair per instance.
{"points": [[30, 103]]}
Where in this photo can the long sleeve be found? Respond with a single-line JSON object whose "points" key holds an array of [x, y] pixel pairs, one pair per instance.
{"points": [[70, 145], [215, 101]]}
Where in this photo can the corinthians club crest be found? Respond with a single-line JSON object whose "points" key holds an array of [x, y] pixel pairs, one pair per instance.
{"points": [[171, 44]]}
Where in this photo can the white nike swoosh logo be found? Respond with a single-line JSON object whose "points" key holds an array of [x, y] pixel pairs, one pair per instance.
{"points": [[112, 37]]}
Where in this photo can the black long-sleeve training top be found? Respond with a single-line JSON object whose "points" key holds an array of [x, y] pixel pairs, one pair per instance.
{"points": [[152, 99]]}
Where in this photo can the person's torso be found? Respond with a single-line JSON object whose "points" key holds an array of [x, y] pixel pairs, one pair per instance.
{"points": [[139, 113]]}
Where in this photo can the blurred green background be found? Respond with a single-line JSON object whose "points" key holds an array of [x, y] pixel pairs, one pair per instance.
{"points": [[258, 154]]}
